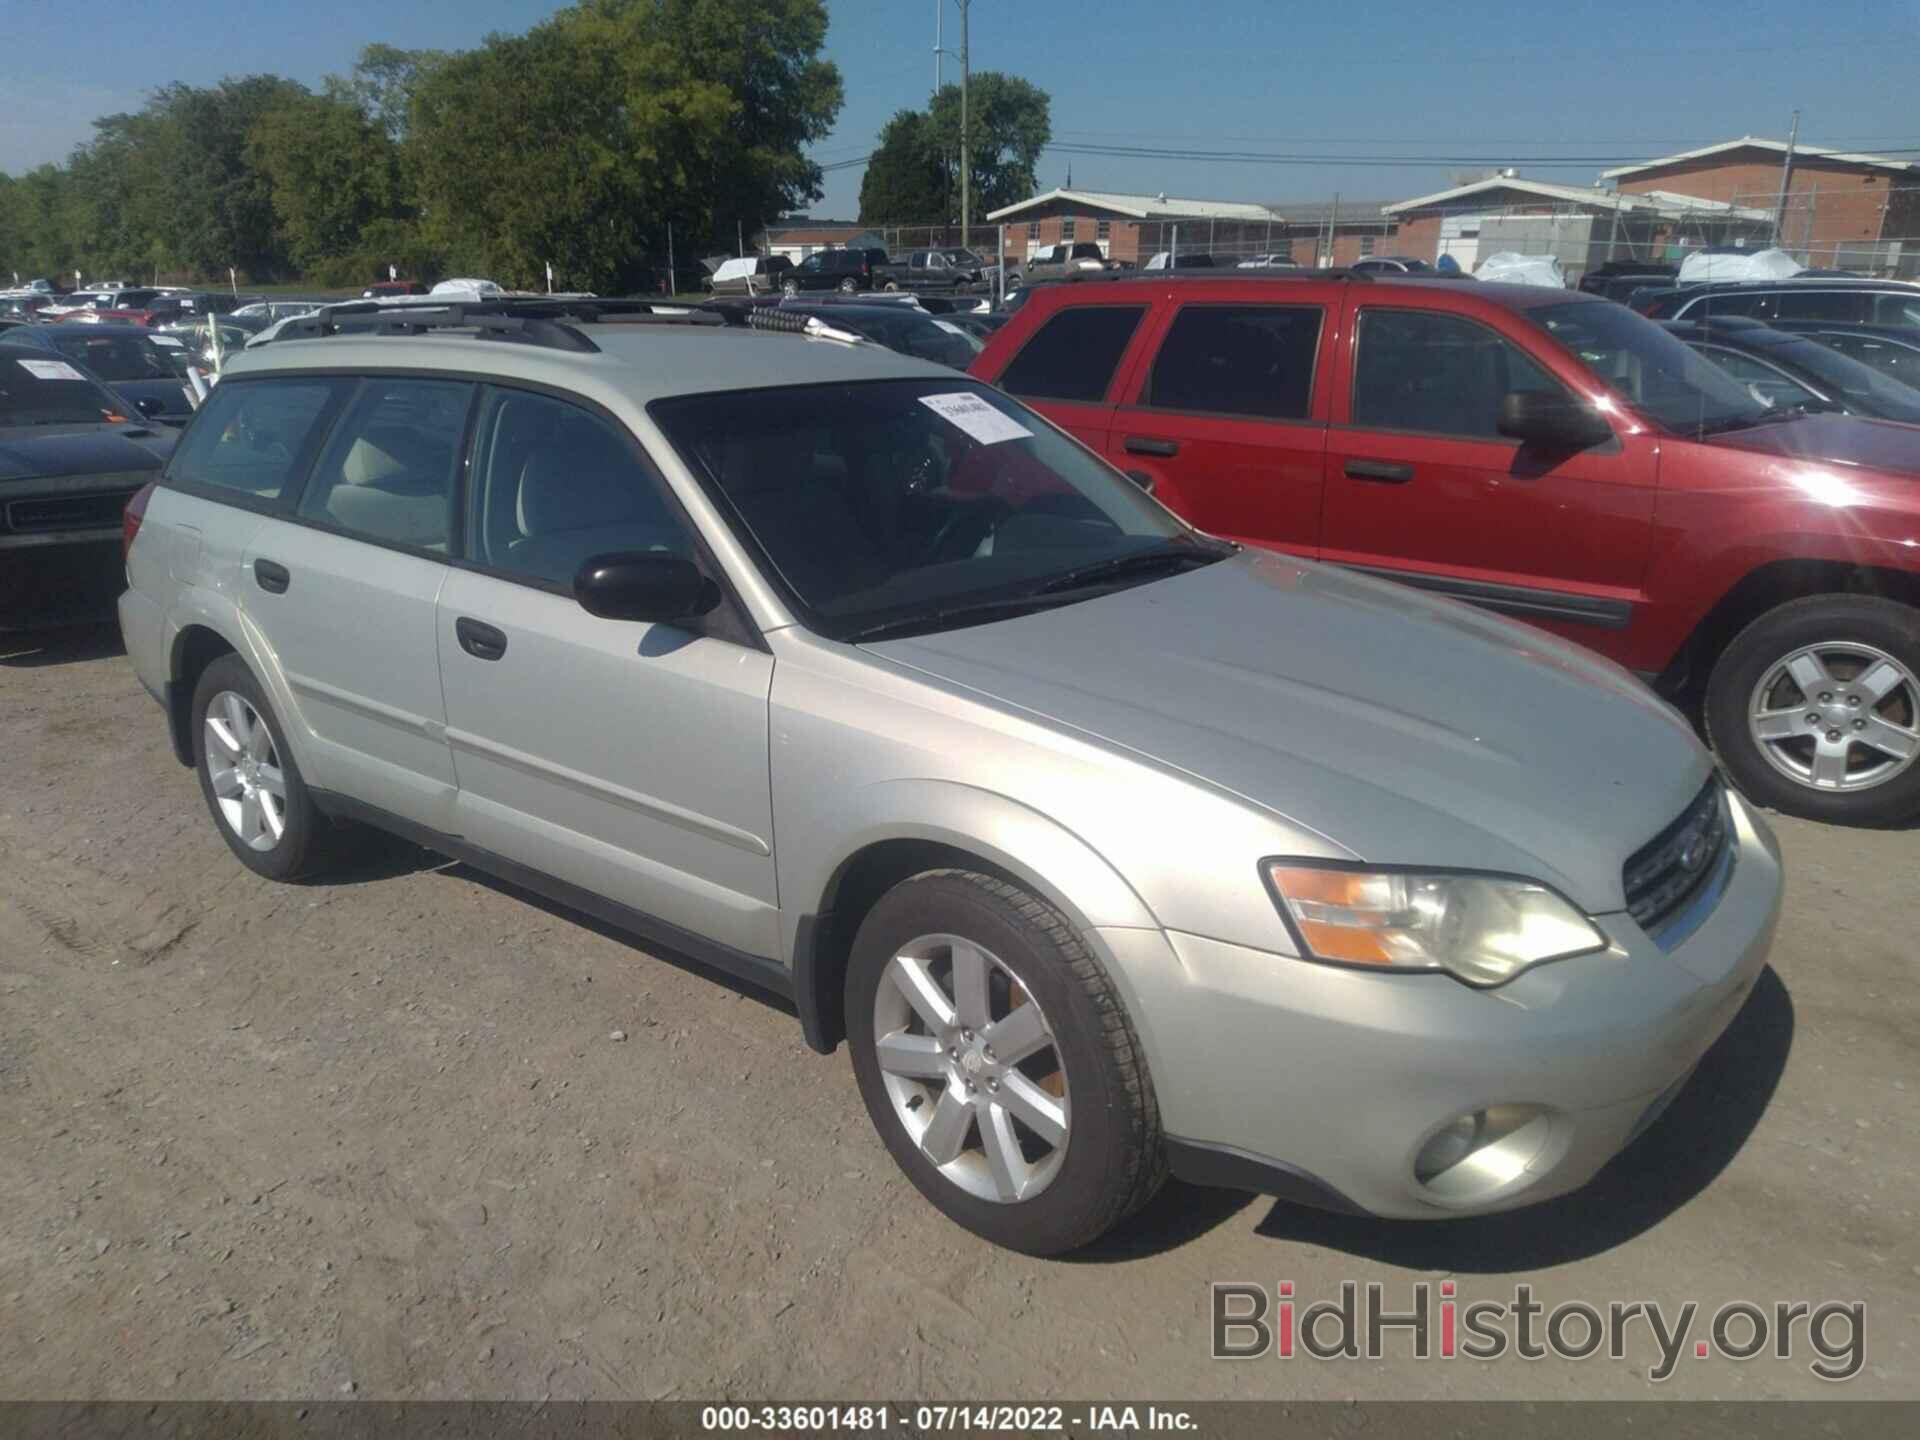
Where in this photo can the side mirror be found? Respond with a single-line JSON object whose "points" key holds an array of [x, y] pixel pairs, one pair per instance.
{"points": [[1551, 421], [147, 405], [643, 585]]}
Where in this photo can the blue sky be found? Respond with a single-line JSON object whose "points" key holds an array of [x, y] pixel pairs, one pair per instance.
{"points": [[1590, 83]]}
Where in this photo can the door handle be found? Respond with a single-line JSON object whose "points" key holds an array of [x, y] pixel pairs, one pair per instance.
{"points": [[1146, 445], [1384, 471], [273, 578], [479, 639]]}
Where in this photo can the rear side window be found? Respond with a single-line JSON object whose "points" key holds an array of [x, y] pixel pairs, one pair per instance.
{"points": [[1438, 374], [256, 437], [1842, 305], [1073, 355], [1254, 360], [387, 473], [1896, 309], [1760, 306]]}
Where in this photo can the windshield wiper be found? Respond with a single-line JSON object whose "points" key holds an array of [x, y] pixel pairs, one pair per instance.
{"points": [[1174, 555], [950, 617]]}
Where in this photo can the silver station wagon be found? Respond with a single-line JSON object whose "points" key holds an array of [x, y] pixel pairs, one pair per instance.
{"points": [[1110, 849]]}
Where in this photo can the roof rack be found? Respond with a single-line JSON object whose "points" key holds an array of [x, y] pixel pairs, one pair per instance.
{"points": [[540, 320]]}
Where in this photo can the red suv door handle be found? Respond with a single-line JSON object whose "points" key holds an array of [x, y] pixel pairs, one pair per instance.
{"points": [[1143, 445], [1384, 471]]}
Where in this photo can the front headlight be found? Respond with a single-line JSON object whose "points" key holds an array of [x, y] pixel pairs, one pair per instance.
{"points": [[1484, 929]]}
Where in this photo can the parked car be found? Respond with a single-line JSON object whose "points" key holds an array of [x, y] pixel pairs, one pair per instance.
{"points": [[1618, 279], [1110, 849], [1391, 265], [1893, 350], [1788, 371], [256, 315], [930, 270], [196, 337], [1080, 260], [382, 288], [750, 275], [1268, 262], [847, 271], [1192, 260], [1842, 301], [126, 358], [71, 455], [1544, 454], [74, 300], [898, 327]]}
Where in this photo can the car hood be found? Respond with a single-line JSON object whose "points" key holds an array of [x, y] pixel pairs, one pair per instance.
{"points": [[44, 451], [1882, 445], [1404, 728]]}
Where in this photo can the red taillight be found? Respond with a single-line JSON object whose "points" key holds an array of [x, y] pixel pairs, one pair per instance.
{"points": [[131, 517]]}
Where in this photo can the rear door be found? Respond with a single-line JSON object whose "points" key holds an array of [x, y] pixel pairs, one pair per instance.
{"points": [[343, 589], [1227, 423], [624, 758], [1071, 366], [1422, 487]]}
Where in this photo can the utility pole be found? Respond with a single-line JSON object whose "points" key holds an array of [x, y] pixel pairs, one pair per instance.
{"points": [[1786, 178], [939, 50], [966, 159]]}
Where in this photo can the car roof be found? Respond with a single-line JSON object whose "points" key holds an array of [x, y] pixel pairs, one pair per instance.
{"points": [[104, 327], [643, 363], [1749, 334], [1798, 282], [1278, 283]]}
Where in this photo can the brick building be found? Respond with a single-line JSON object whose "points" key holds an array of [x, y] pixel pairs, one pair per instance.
{"points": [[1841, 208]]}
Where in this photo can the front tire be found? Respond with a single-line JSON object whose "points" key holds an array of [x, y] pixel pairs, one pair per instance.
{"points": [[252, 787], [849, 286], [998, 1064], [789, 288], [1815, 709]]}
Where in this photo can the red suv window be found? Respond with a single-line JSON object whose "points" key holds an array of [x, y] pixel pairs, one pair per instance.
{"points": [[1254, 360], [1073, 355]]}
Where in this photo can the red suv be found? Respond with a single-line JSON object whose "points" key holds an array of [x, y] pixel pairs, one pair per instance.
{"points": [[1545, 454]]}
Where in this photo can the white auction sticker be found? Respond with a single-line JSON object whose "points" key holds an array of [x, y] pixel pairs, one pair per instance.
{"points": [[976, 417], [51, 369]]}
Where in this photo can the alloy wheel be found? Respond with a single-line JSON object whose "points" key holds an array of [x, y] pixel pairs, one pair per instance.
{"points": [[243, 767], [1841, 717], [972, 1068]]}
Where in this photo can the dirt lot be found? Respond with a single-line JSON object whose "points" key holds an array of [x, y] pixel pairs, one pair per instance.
{"points": [[373, 1137]]}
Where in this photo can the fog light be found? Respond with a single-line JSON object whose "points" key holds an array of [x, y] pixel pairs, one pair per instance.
{"points": [[1482, 1152]]}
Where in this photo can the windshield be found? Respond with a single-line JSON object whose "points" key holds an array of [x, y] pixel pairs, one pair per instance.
{"points": [[1857, 386], [38, 388], [115, 357], [1650, 369], [907, 505]]}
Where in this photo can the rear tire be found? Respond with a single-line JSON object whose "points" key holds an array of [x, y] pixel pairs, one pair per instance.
{"points": [[849, 286], [1051, 1144], [252, 786], [1812, 705]]}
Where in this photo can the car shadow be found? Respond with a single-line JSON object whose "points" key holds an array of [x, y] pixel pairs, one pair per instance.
{"points": [[1178, 1214], [1663, 1170], [60, 644]]}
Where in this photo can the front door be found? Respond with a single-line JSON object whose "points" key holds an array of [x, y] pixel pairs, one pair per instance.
{"points": [[1421, 484], [625, 758]]}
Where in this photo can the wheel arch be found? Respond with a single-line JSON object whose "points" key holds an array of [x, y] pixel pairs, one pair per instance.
{"points": [[1765, 588], [980, 831], [195, 647]]}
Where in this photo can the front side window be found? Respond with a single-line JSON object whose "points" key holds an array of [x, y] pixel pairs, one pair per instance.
{"points": [[906, 505], [1438, 374], [1252, 360], [1074, 353], [388, 470], [553, 485], [1763, 382], [255, 437], [1889, 357]]}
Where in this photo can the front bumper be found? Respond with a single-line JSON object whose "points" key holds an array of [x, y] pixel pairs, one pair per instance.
{"points": [[1330, 1080]]}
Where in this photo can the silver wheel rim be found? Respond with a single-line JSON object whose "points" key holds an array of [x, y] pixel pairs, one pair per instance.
{"points": [[1837, 717], [972, 1068], [243, 766]]}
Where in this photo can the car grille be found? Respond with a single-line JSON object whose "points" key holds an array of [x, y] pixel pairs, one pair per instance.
{"points": [[99, 510], [1663, 875]]}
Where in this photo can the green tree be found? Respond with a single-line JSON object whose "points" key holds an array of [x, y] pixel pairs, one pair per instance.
{"points": [[905, 182], [333, 171], [382, 84], [1009, 122]]}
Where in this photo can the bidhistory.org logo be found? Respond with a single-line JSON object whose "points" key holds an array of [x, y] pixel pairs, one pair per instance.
{"points": [[1250, 1324]]}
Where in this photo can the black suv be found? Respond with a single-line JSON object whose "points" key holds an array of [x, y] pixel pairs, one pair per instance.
{"points": [[1804, 297], [844, 270]]}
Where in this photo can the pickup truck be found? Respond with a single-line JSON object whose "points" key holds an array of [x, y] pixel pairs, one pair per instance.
{"points": [[1544, 454], [1079, 261], [949, 269]]}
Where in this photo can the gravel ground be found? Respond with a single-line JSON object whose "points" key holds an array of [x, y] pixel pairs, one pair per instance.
{"points": [[377, 1137]]}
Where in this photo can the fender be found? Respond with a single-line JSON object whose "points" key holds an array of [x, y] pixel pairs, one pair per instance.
{"points": [[201, 607], [1026, 845]]}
